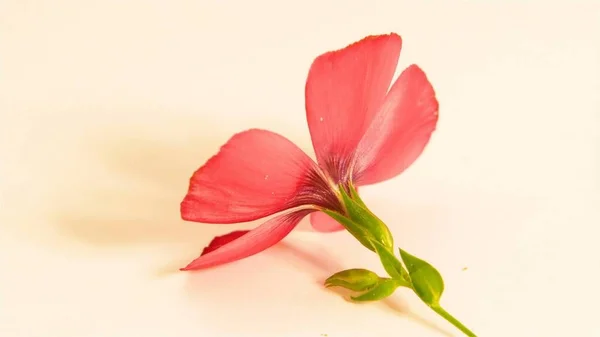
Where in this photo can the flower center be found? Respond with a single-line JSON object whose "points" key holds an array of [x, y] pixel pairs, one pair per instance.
{"points": [[338, 168], [318, 189]]}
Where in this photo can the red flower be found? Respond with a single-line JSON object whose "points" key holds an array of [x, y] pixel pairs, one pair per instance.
{"points": [[361, 132]]}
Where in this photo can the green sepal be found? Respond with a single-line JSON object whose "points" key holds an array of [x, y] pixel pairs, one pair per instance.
{"points": [[355, 196], [366, 219], [353, 279], [426, 280], [390, 263], [384, 288], [353, 228]]}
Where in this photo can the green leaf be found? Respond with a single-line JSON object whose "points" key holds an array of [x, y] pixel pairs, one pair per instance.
{"points": [[426, 280], [353, 279], [366, 219], [358, 231], [390, 263], [383, 289]]}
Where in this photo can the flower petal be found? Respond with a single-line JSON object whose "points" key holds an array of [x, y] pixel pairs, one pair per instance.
{"points": [[255, 174], [344, 90], [324, 223], [400, 131], [252, 242], [222, 240]]}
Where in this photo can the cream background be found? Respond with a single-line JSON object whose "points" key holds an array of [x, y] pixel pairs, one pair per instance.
{"points": [[107, 107]]}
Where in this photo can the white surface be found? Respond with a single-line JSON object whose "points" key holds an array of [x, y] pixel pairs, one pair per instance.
{"points": [[107, 107]]}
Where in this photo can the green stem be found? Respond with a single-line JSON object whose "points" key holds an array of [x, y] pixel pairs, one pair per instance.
{"points": [[453, 320]]}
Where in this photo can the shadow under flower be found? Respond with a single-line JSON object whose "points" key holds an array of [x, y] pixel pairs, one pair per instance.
{"points": [[402, 309]]}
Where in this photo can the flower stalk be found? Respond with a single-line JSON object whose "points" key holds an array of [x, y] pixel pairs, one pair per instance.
{"points": [[418, 275]]}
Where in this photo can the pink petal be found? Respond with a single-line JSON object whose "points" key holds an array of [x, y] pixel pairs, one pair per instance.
{"points": [[344, 90], [255, 174], [324, 223], [250, 243], [401, 129], [222, 240]]}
